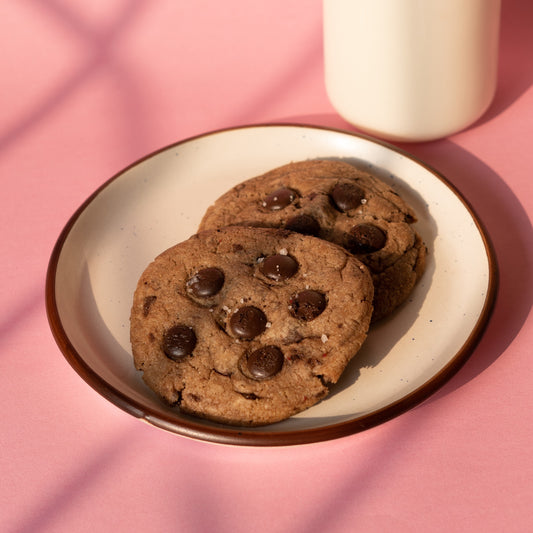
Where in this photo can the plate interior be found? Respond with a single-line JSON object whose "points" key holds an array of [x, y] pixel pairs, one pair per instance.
{"points": [[160, 200]]}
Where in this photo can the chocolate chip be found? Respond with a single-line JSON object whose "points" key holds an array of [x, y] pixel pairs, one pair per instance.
{"points": [[206, 282], [279, 199], [305, 224], [308, 304], [279, 267], [248, 322], [265, 362], [347, 196], [148, 301], [365, 239], [178, 342]]}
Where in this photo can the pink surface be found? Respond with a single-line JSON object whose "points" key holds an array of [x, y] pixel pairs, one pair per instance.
{"points": [[88, 89]]}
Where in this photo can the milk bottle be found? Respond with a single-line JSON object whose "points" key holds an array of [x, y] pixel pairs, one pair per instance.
{"points": [[411, 70]]}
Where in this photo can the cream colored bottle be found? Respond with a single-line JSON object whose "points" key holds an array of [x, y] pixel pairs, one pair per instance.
{"points": [[411, 70]]}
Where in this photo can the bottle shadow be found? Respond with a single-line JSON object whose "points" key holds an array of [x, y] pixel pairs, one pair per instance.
{"points": [[515, 68], [511, 234], [494, 202], [509, 229]]}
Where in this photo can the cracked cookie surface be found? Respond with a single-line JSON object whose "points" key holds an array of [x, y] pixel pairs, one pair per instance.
{"points": [[334, 201], [249, 326]]}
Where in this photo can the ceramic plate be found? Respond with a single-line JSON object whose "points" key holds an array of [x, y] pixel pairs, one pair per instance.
{"points": [[160, 200]]}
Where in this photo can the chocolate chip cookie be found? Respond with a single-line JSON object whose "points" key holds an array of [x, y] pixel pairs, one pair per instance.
{"points": [[248, 326], [334, 201]]}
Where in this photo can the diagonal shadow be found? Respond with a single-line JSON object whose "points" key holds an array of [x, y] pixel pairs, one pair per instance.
{"points": [[18, 315], [64, 495], [290, 80], [100, 43]]}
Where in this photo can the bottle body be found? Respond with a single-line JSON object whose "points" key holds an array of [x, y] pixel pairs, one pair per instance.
{"points": [[411, 70]]}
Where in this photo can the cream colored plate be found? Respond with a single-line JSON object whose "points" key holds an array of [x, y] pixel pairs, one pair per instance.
{"points": [[160, 200]]}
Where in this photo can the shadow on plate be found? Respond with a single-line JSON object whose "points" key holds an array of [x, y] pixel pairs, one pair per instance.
{"points": [[400, 321], [511, 234]]}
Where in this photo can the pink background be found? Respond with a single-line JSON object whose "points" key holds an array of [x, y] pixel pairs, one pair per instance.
{"points": [[86, 88]]}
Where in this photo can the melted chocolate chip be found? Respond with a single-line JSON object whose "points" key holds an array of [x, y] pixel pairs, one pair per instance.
{"points": [[248, 322], [279, 267], [305, 224], [148, 301], [365, 239], [178, 342], [346, 196], [308, 304], [206, 282], [279, 199], [265, 362]]}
